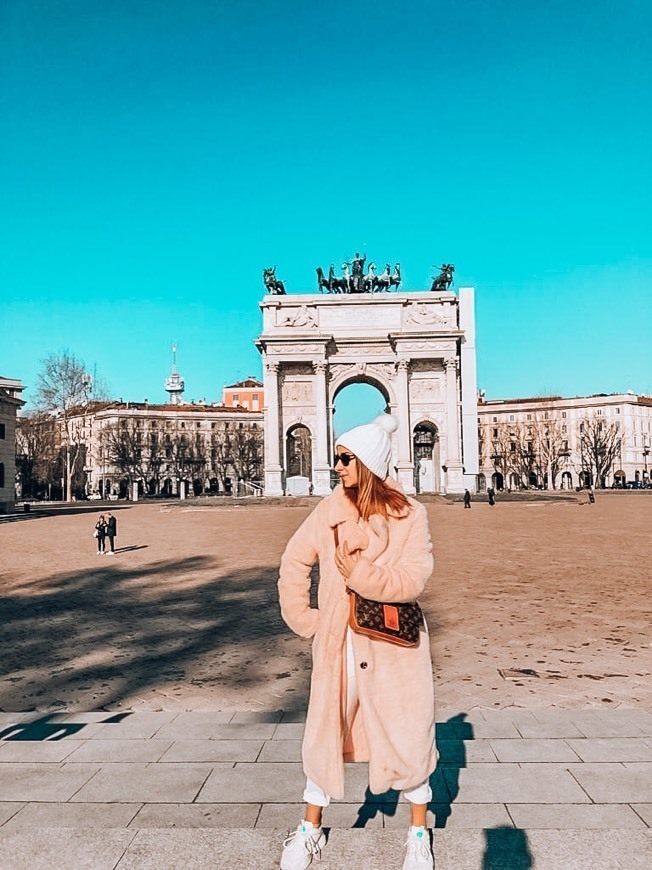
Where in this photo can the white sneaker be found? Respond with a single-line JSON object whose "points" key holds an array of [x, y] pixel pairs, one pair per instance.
{"points": [[300, 847], [419, 853]]}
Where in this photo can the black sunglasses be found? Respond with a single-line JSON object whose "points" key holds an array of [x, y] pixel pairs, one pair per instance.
{"points": [[344, 458]]}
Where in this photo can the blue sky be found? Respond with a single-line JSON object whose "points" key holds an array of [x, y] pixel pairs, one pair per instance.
{"points": [[154, 157]]}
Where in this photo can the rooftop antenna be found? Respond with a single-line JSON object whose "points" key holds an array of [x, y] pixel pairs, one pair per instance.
{"points": [[174, 384]]}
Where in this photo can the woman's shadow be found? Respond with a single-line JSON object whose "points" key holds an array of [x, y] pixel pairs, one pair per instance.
{"points": [[450, 737]]}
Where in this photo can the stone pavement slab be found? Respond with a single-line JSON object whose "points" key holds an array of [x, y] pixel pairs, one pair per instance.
{"points": [[196, 816], [616, 783], [645, 812], [613, 749], [213, 750], [144, 783], [117, 751], [207, 730], [8, 810], [134, 726], [532, 750], [42, 782], [30, 751], [281, 750], [569, 816], [73, 815], [63, 849], [509, 783]]}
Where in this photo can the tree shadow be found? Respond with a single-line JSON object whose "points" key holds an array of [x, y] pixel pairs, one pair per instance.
{"points": [[92, 639], [506, 849]]}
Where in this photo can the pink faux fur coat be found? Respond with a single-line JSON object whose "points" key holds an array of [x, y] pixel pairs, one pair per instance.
{"points": [[394, 728]]}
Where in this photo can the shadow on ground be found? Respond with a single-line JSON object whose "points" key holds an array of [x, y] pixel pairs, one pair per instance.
{"points": [[88, 640], [506, 849]]}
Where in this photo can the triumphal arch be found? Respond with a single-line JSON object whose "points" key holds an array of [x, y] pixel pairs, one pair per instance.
{"points": [[416, 347]]}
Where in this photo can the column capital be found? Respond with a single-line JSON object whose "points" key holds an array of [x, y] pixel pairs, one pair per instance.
{"points": [[320, 367], [451, 363], [271, 366], [403, 364]]}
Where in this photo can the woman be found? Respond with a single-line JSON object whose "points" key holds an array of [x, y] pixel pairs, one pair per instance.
{"points": [[369, 699], [100, 534]]}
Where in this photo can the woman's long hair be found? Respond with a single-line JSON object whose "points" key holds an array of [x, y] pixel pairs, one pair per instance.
{"points": [[373, 496]]}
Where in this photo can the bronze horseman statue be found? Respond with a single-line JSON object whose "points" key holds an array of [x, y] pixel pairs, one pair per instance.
{"points": [[445, 278], [273, 285]]}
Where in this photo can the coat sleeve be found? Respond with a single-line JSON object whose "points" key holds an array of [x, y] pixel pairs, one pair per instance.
{"points": [[405, 577], [294, 578]]}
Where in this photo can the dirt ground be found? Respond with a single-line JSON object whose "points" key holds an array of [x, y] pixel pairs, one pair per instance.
{"points": [[532, 604]]}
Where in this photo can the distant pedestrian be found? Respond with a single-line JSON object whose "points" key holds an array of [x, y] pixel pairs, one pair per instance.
{"points": [[491, 494], [467, 499], [111, 532], [591, 497], [100, 534]]}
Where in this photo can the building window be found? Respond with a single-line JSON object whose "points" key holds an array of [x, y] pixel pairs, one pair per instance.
{"points": [[617, 410], [2, 475], [494, 419], [563, 415], [183, 425], [235, 397], [212, 425], [255, 397], [564, 429], [529, 417], [3, 434], [198, 425], [599, 412], [511, 418]]}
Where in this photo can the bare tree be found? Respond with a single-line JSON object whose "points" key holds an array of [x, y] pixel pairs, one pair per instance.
{"points": [[600, 445], [122, 445], [36, 453], [502, 445], [64, 387], [247, 452], [549, 446]]}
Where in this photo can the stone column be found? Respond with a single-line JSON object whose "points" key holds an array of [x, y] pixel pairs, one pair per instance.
{"points": [[454, 475], [405, 466], [321, 474], [273, 469]]}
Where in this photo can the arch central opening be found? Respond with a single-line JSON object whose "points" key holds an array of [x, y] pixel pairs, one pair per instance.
{"points": [[357, 402]]}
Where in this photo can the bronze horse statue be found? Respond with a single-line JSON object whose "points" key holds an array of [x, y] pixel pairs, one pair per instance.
{"points": [[273, 285], [445, 278]]}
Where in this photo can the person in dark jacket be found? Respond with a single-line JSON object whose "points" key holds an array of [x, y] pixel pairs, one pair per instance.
{"points": [[111, 532], [100, 534], [491, 493], [467, 499]]}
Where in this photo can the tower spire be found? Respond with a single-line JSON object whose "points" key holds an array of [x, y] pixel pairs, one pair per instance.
{"points": [[174, 384]]}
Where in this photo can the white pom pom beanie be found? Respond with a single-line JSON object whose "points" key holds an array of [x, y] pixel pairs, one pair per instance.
{"points": [[372, 444]]}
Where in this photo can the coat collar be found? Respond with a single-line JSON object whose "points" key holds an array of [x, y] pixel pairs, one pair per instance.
{"points": [[341, 509]]}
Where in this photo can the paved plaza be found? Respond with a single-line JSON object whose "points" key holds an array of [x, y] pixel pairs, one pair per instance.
{"points": [[152, 702]]}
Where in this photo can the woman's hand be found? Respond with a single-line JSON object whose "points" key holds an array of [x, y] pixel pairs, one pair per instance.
{"points": [[345, 560]]}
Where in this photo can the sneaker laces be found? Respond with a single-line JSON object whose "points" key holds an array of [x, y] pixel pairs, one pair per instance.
{"points": [[311, 844], [419, 847]]}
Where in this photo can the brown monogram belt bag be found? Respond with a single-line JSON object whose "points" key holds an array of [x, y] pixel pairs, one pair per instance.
{"points": [[399, 624]]}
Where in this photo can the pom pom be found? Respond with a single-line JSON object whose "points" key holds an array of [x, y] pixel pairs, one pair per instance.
{"points": [[387, 422]]}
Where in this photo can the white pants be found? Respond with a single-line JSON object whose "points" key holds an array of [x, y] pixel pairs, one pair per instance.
{"points": [[313, 793]]}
